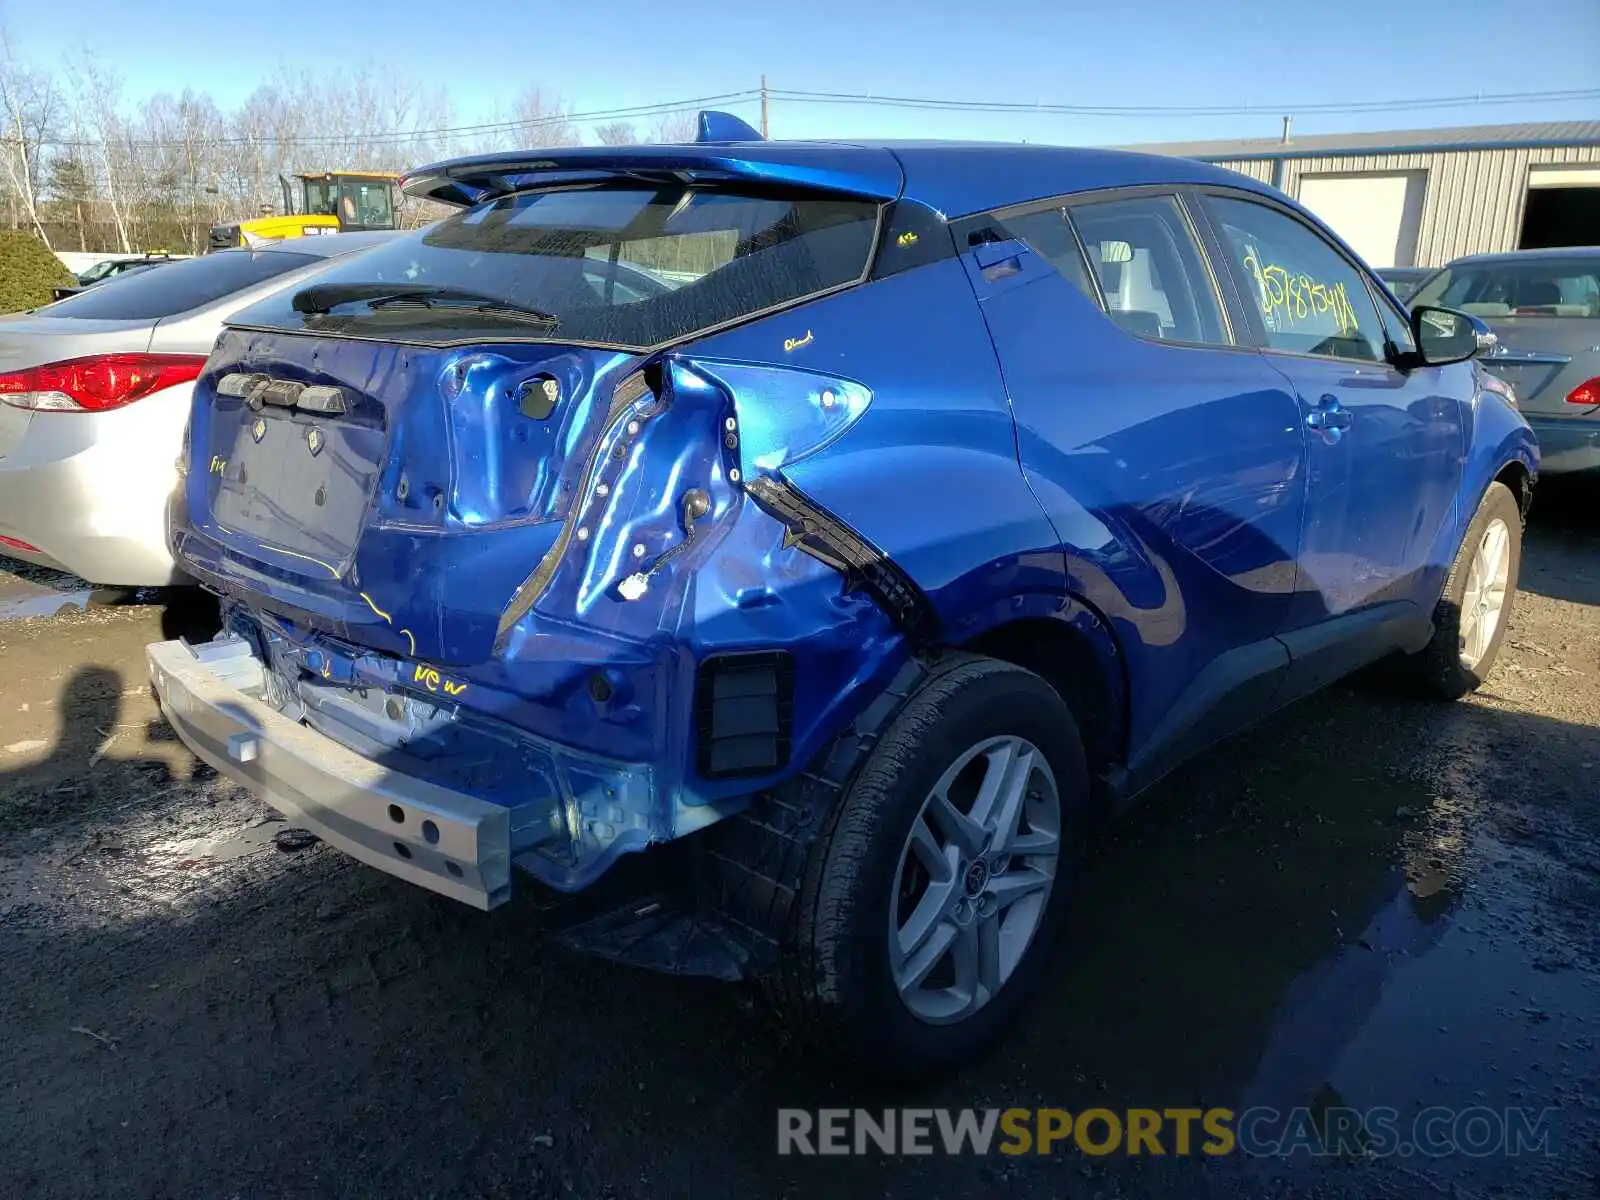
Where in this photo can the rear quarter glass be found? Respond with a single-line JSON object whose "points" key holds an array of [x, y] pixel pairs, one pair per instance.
{"points": [[718, 255]]}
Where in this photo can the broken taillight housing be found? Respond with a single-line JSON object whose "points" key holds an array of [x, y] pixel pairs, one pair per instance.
{"points": [[784, 413], [1587, 392], [97, 383]]}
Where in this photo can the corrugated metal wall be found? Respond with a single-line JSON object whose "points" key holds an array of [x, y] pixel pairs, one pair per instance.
{"points": [[1256, 168], [1472, 203]]}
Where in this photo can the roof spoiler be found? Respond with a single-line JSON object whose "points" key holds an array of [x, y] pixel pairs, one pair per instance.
{"points": [[725, 149]]}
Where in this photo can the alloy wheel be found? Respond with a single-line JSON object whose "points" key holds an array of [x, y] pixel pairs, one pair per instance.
{"points": [[974, 879], [1484, 600]]}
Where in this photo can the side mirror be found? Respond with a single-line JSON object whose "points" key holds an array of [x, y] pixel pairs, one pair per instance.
{"points": [[1445, 336]]}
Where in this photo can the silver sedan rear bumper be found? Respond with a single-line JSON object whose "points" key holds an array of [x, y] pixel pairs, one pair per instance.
{"points": [[428, 835], [88, 491]]}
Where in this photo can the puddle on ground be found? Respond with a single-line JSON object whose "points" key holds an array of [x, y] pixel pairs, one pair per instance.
{"points": [[1443, 1000], [34, 603], [26, 599], [197, 852]]}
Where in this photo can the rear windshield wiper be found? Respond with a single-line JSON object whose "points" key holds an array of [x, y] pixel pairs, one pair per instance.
{"points": [[325, 297]]}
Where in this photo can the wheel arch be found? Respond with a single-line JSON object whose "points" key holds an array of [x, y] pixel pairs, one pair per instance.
{"points": [[1072, 647], [1502, 449], [1519, 479]]}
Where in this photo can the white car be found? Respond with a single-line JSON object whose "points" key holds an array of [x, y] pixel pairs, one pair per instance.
{"points": [[94, 396]]}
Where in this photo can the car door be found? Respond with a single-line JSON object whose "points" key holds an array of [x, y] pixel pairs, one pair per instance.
{"points": [[1168, 459], [1385, 439]]}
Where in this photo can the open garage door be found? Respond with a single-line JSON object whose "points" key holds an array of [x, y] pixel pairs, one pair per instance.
{"points": [[1562, 208], [1379, 215]]}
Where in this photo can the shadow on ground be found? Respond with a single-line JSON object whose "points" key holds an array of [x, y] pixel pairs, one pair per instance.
{"points": [[1562, 556], [1366, 901], [305, 1025]]}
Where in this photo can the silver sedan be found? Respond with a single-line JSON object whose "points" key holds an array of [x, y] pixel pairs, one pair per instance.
{"points": [[94, 395], [1544, 305]]}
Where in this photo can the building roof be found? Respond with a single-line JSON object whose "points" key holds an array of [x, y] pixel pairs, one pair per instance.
{"points": [[1392, 141]]}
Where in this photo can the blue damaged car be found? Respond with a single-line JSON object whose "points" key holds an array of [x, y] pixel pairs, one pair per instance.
{"points": [[839, 531]]}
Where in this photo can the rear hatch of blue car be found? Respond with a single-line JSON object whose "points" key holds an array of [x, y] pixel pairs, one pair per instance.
{"points": [[389, 452]]}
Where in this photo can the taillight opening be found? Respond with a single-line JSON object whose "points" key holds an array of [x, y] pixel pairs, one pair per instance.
{"points": [[98, 383], [1586, 393]]}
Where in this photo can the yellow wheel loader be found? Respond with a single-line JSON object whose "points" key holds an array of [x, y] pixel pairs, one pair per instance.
{"points": [[332, 202]]}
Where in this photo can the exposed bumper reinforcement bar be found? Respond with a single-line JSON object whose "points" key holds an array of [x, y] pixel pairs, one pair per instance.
{"points": [[428, 835]]}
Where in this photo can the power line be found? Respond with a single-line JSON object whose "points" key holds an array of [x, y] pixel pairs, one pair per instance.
{"points": [[661, 108], [1176, 110], [861, 99]]}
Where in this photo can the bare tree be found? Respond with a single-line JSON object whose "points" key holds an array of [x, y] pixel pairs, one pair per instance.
{"points": [[673, 128], [185, 133], [30, 108], [616, 133], [79, 164], [96, 102], [536, 119]]}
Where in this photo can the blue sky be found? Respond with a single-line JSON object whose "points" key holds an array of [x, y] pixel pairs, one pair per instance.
{"points": [[1273, 53]]}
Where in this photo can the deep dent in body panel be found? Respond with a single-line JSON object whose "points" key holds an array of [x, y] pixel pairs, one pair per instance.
{"points": [[585, 695]]}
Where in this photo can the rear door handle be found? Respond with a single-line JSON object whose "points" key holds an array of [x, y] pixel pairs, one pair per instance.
{"points": [[1330, 418]]}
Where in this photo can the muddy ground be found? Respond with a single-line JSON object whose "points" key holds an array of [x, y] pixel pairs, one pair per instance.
{"points": [[1367, 901]]}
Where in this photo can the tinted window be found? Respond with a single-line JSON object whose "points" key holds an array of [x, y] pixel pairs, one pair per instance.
{"points": [[319, 201], [177, 287], [1051, 237], [717, 254], [1402, 283], [1149, 269], [1310, 298], [1543, 287], [614, 281], [367, 204], [1396, 324]]}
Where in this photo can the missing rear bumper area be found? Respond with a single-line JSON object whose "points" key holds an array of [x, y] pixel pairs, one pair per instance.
{"points": [[428, 835]]}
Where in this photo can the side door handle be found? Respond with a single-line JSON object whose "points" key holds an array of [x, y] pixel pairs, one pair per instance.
{"points": [[1330, 419]]}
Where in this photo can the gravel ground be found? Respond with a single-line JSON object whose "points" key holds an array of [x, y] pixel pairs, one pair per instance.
{"points": [[1366, 901]]}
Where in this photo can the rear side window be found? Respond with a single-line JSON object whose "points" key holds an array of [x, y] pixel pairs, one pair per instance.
{"points": [[177, 287], [1542, 287], [1149, 269], [1048, 235], [625, 265], [1310, 299]]}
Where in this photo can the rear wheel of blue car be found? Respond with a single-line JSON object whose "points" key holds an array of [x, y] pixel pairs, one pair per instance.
{"points": [[1474, 612], [931, 901]]}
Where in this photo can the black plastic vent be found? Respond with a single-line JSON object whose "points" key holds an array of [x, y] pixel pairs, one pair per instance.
{"points": [[744, 713]]}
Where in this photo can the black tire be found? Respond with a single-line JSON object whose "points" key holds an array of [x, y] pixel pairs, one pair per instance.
{"points": [[834, 983], [1436, 672]]}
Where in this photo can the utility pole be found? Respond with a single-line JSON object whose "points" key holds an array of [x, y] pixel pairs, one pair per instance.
{"points": [[763, 106]]}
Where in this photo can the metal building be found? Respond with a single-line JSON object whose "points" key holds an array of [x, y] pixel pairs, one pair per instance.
{"points": [[1422, 197]]}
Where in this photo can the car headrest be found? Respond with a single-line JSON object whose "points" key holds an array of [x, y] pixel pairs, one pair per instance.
{"points": [[1137, 321], [1537, 293]]}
